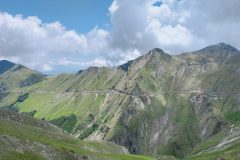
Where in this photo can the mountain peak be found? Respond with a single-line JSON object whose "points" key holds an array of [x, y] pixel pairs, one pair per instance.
{"points": [[6, 62], [155, 50], [158, 53], [226, 46], [155, 53], [5, 65], [220, 47]]}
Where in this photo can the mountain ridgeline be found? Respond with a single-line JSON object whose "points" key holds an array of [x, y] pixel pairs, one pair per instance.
{"points": [[160, 105]]}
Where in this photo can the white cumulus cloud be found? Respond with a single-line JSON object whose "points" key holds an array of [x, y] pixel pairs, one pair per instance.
{"points": [[136, 26]]}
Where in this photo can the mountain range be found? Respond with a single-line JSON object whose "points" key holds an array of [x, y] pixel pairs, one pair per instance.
{"points": [[164, 106]]}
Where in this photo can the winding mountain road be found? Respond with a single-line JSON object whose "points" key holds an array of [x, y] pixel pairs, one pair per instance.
{"points": [[105, 91]]}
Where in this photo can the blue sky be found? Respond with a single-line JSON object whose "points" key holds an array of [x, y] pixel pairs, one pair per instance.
{"points": [[80, 15], [55, 36]]}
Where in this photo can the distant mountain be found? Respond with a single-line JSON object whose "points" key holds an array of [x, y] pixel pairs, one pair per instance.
{"points": [[186, 106], [20, 76], [220, 47], [16, 78], [5, 65]]}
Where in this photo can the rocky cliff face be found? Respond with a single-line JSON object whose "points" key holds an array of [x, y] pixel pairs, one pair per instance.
{"points": [[155, 105], [180, 101]]}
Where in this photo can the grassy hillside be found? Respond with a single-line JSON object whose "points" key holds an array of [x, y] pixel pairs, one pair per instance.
{"points": [[22, 139], [20, 76], [14, 80], [219, 147]]}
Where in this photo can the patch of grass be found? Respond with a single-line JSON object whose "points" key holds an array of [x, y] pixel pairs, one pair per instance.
{"points": [[54, 105], [88, 131], [208, 143], [234, 118], [65, 122], [30, 113], [230, 153], [22, 156]]}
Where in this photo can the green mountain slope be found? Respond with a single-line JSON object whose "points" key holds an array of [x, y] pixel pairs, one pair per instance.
{"points": [[20, 76], [155, 105], [13, 80], [23, 137]]}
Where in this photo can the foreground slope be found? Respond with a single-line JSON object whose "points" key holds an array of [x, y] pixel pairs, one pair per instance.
{"points": [[218, 147], [23, 137], [155, 105]]}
